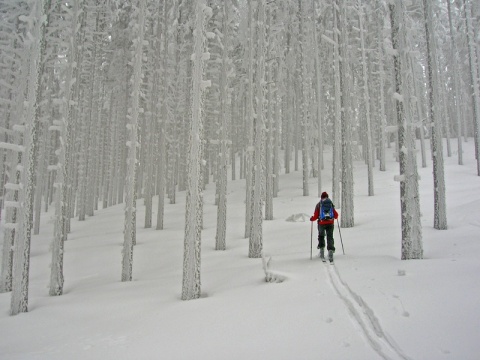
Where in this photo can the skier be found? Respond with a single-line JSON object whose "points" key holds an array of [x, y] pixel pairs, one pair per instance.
{"points": [[326, 214]]}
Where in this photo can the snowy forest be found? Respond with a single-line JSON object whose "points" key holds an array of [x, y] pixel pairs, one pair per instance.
{"points": [[109, 102]]}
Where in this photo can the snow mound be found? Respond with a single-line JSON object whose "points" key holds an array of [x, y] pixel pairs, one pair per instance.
{"points": [[298, 218], [271, 276]]}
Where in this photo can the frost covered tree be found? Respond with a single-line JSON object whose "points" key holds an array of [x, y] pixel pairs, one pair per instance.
{"points": [[319, 108], [347, 190], [440, 216], [224, 39], [14, 73], [132, 144], [455, 83], [191, 284], [337, 83], [473, 64], [249, 115], [63, 167], [304, 86], [366, 96], [161, 147], [34, 45], [412, 247], [255, 246]]}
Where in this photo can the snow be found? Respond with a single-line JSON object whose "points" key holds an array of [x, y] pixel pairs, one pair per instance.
{"points": [[369, 305]]}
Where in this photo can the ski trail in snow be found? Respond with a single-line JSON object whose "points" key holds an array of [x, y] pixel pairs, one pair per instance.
{"points": [[365, 317]]}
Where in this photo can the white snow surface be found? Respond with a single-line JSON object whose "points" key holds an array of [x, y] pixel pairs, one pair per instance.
{"points": [[369, 305]]}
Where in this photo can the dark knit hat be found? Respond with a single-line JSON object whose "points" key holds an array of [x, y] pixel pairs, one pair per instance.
{"points": [[324, 195]]}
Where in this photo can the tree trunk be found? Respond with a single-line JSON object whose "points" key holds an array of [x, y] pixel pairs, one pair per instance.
{"points": [[130, 209], [21, 260], [191, 286], [409, 199], [256, 238], [440, 216]]}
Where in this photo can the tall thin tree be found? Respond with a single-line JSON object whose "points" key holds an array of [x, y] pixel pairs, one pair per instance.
{"points": [[191, 285], [132, 144], [440, 216]]}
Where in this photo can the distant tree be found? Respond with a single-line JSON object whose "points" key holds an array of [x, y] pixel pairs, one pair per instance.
{"points": [[304, 86], [454, 72], [337, 75], [319, 113], [366, 96]]}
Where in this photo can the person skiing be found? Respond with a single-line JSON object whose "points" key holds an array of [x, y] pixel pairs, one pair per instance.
{"points": [[326, 214]]}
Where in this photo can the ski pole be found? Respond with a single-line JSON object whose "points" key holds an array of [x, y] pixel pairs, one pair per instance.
{"points": [[338, 225], [311, 239]]}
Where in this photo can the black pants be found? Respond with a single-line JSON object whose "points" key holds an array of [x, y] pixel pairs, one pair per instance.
{"points": [[328, 230]]}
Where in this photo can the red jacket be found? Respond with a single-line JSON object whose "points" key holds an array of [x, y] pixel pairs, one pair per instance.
{"points": [[316, 214]]}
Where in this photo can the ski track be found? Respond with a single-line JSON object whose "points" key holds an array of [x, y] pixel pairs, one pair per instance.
{"points": [[365, 317]]}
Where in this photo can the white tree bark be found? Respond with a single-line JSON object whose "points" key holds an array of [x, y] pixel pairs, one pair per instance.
{"points": [[249, 122], [303, 101], [336, 162], [456, 85], [63, 166], [21, 260], [319, 102], [347, 190], [191, 286], [474, 80], [366, 98], [440, 216], [220, 237], [130, 210], [409, 200], [256, 235]]}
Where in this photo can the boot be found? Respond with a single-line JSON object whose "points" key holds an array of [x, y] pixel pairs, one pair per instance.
{"points": [[330, 255], [322, 253]]}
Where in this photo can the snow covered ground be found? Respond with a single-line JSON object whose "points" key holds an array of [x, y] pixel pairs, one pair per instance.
{"points": [[370, 305]]}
